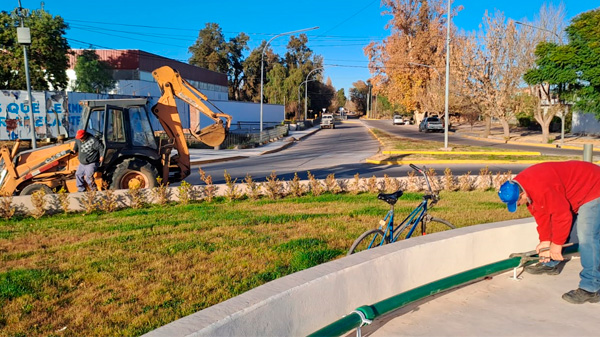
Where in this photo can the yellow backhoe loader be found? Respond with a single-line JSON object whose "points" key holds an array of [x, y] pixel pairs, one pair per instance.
{"points": [[131, 149]]}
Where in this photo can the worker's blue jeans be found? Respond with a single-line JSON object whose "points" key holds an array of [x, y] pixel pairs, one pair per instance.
{"points": [[85, 174], [587, 226], [588, 232]]}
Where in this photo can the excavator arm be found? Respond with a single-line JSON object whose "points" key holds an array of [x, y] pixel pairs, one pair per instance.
{"points": [[173, 85]]}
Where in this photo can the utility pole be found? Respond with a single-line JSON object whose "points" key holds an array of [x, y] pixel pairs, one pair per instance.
{"points": [[369, 101], [446, 120], [24, 38]]}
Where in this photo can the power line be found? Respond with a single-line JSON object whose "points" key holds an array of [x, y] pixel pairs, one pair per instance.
{"points": [[350, 17], [142, 40]]}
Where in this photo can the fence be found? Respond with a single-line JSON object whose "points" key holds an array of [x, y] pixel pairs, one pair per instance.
{"points": [[244, 134]]}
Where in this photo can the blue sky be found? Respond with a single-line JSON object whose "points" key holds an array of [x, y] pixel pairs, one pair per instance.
{"points": [[168, 28]]}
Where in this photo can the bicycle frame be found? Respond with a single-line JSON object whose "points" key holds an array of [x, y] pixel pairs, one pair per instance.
{"points": [[415, 217], [411, 221], [387, 232]]}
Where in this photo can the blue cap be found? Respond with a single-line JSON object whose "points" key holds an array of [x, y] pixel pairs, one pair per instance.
{"points": [[509, 194]]}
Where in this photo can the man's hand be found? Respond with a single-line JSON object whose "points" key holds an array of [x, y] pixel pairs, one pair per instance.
{"points": [[101, 160], [545, 255], [542, 245], [556, 252]]}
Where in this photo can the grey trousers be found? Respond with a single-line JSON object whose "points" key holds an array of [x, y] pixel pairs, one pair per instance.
{"points": [[85, 174]]}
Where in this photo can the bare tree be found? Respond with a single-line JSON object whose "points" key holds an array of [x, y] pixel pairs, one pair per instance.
{"points": [[500, 59], [546, 104]]}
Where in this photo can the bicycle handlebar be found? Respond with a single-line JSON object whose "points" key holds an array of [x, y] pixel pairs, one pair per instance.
{"points": [[416, 168], [422, 171]]}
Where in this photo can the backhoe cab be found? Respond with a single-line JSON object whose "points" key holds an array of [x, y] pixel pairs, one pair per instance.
{"points": [[132, 153]]}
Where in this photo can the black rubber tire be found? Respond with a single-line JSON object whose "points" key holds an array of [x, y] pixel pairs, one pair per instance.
{"points": [[374, 236], [334, 126], [434, 225], [32, 188], [133, 168]]}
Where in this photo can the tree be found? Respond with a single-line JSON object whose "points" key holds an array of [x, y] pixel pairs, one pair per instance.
{"points": [[298, 53], [48, 52], [275, 90], [550, 82], [550, 79], [499, 58], [584, 39], [210, 49], [417, 37], [93, 74], [340, 98], [235, 60], [358, 96], [251, 66]]}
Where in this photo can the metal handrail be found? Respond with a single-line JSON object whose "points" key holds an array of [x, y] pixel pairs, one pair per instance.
{"points": [[370, 312]]}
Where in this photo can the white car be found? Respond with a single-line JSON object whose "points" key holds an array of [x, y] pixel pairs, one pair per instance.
{"points": [[327, 121], [399, 120]]}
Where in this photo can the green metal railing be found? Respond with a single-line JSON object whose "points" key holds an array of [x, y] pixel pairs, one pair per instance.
{"points": [[370, 312]]}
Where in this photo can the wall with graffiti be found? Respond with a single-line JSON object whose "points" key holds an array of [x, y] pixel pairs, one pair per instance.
{"points": [[55, 113], [48, 114]]}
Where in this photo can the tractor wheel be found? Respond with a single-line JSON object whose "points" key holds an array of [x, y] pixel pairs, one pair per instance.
{"points": [[134, 171], [32, 188]]}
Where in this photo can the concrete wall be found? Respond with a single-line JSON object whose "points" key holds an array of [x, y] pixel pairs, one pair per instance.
{"points": [[306, 301], [585, 123]]}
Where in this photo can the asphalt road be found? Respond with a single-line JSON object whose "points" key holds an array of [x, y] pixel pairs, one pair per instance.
{"points": [[412, 131], [341, 151]]}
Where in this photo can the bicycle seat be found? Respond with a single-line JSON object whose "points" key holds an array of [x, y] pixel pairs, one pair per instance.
{"points": [[390, 198]]}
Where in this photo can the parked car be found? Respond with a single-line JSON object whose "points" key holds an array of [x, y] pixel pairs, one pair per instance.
{"points": [[327, 121], [431, 124], [399, 120]]}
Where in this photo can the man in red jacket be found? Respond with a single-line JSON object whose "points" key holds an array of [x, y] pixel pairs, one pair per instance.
{"points": [[561, 195]]}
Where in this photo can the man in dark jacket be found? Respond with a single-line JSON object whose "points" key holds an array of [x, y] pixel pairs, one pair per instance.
{"points": [[561, 195], [90, 157]]}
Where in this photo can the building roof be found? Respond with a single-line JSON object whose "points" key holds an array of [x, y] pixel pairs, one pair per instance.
{"points": [[134, 59]]}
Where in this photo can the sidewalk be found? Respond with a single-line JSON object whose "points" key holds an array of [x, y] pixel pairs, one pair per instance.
{"points": [[204, 156], [521, 135]]}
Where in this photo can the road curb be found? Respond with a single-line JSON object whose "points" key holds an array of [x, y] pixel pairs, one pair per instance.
{"points": [[498, 153], [283, 147], [555, 146], [210, 161], [462, 161]]}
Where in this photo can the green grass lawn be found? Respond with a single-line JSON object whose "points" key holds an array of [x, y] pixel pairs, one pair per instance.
{"points": [[131, 271]]}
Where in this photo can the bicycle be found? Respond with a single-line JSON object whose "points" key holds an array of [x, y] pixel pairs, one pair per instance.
{"points": [[386, 233]]}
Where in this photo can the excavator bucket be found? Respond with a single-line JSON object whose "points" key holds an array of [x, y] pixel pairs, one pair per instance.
{"points": [[212, 135]]}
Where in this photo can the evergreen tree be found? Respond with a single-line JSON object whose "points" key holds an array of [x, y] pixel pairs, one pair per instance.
{"points": [[93, 74], [48, 52], [210, 50], [584, 46]]}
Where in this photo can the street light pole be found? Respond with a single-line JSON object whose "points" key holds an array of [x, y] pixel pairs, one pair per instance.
{"points": [[306, 91], [24, 37], [262, 55], [303, 82], [562, 114], [447, 79]]}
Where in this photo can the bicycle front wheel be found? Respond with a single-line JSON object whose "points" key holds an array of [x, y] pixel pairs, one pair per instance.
{"points": [[437, 225], [368, 240]]}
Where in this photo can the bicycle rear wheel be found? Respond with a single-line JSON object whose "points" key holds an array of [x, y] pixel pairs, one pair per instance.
{"points": [[367, 240], [434, 225]]}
